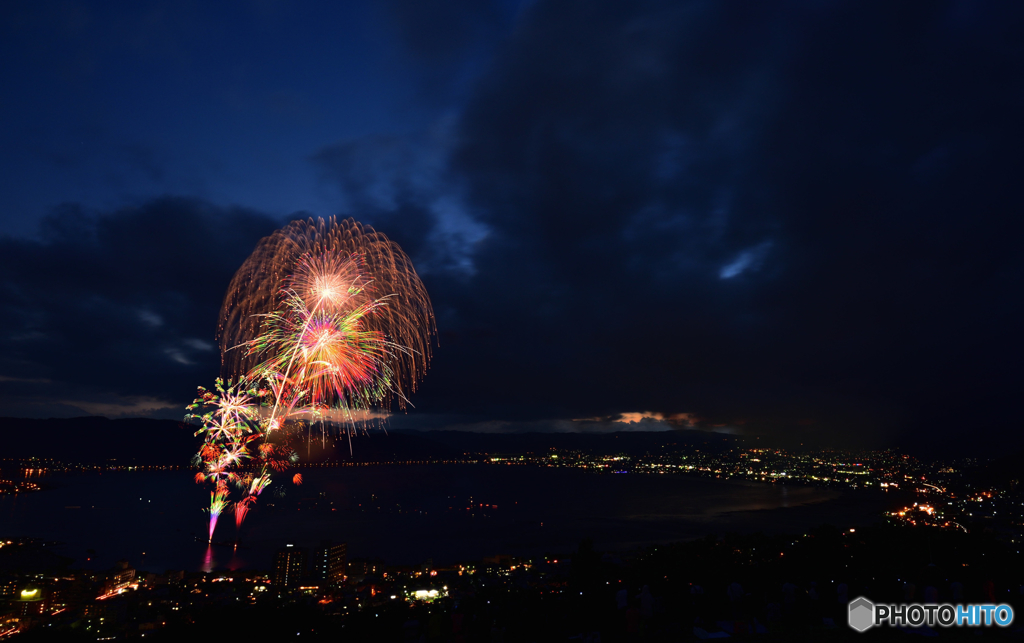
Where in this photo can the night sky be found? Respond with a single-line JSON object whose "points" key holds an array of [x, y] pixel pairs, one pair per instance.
{"points": [[795, 220]]}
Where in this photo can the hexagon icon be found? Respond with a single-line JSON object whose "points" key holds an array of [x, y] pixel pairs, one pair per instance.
{"points": [[862, 614]]}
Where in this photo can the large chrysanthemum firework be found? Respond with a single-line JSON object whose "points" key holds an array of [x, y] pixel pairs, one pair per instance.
{"points": [[347, 266]]}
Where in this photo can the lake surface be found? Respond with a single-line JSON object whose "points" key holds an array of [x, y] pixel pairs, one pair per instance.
{"points": [[409, 514]]}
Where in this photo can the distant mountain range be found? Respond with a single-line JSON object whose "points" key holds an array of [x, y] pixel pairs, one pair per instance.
{"points": [[98, 440]]}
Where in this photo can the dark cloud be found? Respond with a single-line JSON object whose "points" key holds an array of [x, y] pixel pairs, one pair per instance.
{"points": [[114, 313], [792, 219], [445, 43], [441, 30]]}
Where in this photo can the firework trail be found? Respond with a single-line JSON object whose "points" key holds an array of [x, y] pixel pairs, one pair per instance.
{"points": [[218, 502], [323, 315]]}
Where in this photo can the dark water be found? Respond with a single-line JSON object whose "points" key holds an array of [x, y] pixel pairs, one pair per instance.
{"points": [[408, 514]]}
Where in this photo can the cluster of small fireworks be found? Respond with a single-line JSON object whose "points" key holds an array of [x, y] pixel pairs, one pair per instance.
{"points": [[324, 319]]}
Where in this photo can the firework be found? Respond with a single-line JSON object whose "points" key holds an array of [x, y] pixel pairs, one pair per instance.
{"points": [[230, 424], [323, 315], [321, 354], [310, 258], [218, 502]]}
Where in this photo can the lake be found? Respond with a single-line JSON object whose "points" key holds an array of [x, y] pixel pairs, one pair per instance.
{"points": [[409, 514]]}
